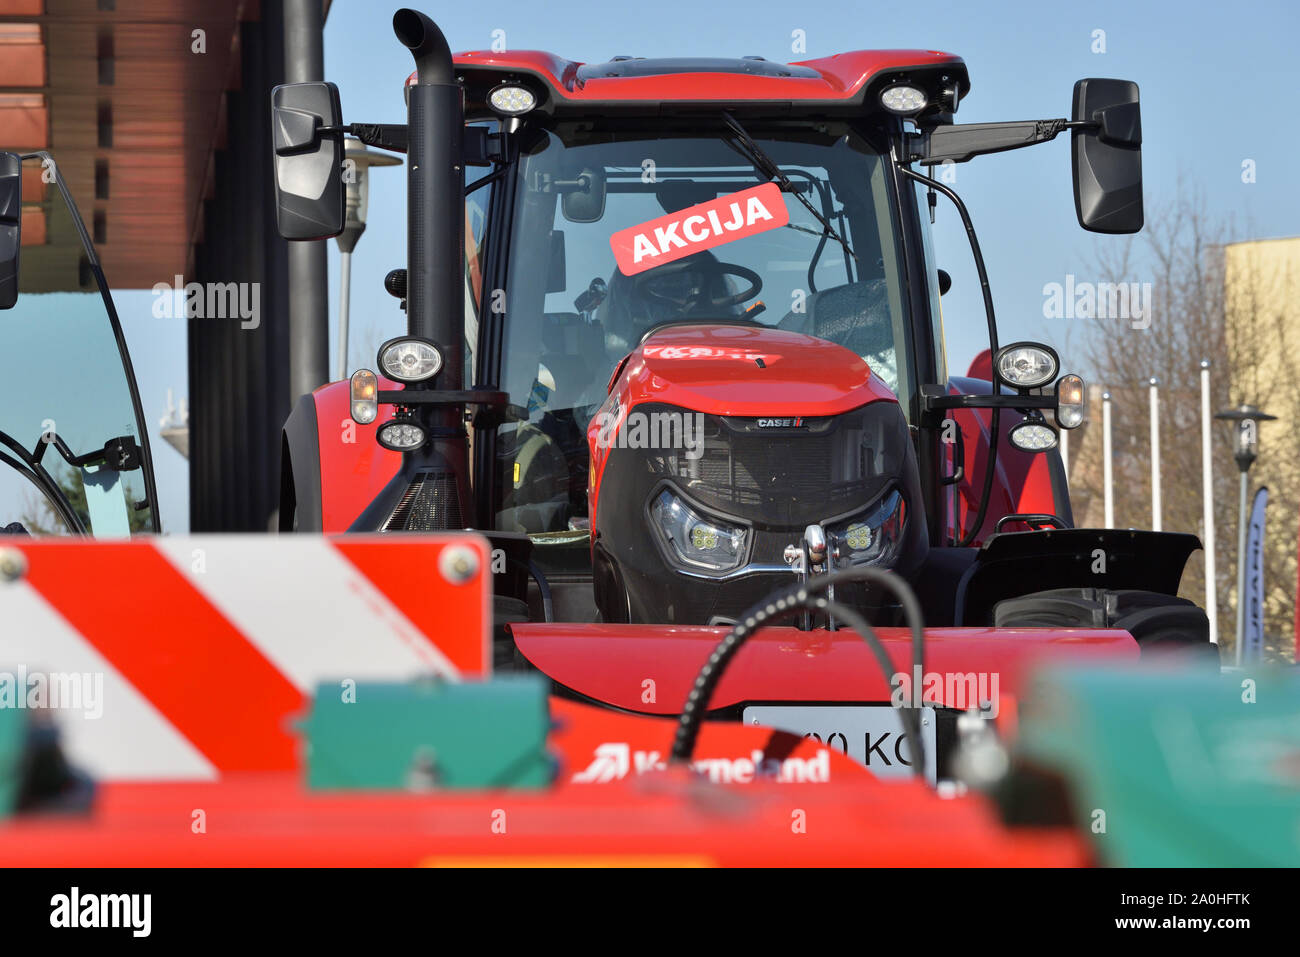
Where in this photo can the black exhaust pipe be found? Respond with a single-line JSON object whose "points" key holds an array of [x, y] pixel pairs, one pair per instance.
{"points": [[433, 484], [435, 198], [427, 44]]}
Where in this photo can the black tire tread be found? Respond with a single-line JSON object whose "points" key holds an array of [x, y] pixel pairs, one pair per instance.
{"points": [[1159, 623]]}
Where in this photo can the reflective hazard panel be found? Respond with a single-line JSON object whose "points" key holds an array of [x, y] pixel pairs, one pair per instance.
{"points": [[192, 656], [697, 228]]}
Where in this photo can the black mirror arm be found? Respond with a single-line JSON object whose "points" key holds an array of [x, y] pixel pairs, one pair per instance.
{"points": [[121, 454], [482, 148], [69, 456], [32, 470], [487, 180], [1021, 403], [959, 143], [385, 136]]}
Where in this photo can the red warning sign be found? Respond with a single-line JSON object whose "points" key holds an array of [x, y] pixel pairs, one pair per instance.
{"points": [[697, 228]]}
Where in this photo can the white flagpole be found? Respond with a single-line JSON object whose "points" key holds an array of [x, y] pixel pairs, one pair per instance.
{"points": [[345, 296], [1106, 461], [1155, 453], [1207, 503]]}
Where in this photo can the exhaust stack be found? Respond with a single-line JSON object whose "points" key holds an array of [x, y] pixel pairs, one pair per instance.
{"points": [[427, 44], [431, 490], [435, 194]]}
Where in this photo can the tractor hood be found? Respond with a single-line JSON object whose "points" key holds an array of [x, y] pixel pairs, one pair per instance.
{"points": [[786, 430], [612, 664], [740, 370]]}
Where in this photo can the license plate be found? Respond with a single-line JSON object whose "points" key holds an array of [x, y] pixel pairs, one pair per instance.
{"points": [[872, 735]]}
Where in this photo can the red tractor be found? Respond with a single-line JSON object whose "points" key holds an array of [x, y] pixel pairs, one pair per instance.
{"points": [[674, 343]]}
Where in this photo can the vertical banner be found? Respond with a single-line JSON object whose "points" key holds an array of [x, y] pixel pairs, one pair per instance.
{"points": [[1296, 655], [1253, 635]]}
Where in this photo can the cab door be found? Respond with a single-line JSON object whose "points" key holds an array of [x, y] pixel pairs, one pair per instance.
{"points": [[74, 452]]}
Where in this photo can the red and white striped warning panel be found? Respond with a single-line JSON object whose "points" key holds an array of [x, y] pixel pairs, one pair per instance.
{"points": [[189, 657]]}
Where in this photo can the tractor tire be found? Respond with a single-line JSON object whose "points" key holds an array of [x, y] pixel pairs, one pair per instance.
{"points": [[1162, 625]]}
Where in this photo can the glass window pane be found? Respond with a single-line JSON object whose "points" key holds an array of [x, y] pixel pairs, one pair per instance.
{"points": [[572, 315]]}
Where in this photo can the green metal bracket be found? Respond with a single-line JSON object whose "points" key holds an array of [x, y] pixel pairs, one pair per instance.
{"points": [[1173, 769], [13, 735], [430, 735]]}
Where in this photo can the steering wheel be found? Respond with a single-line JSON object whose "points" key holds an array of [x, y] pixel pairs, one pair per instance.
{"points": [[712, 269]]}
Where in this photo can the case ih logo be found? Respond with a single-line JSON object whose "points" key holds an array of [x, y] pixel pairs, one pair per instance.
{"points": [[795, 423], [707, 352], [697, 228]]}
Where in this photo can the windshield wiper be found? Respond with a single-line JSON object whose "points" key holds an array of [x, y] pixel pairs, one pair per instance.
{"points": [[765, 165], [807, 229]]}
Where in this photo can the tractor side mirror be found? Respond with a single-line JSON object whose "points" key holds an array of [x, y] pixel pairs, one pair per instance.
{"points": [[307, 137], [1108, 157], [11, 221], [586, 203]]}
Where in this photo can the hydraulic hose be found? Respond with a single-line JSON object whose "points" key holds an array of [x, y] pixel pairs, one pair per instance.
{"points": [[787, 603], [544, 589], [543, 586], [990, 469]]}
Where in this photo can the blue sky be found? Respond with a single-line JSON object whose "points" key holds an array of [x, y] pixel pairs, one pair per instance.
{"points": [[1216, 82], [59, 332], [157, 348], [1212, 78]]}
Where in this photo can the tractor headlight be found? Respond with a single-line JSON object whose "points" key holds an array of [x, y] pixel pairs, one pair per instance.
{"points": [[1026, 365], [903, 99], [409, 360], [400, 435], [512, 100], [693, 540], [1033, 435], [872, 537]]}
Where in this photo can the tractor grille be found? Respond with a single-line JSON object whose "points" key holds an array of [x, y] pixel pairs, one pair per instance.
{"points": [[791, 476], [431, 503], [747, 469]]}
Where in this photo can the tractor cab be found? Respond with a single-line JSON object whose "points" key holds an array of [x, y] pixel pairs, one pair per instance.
{"points": [[627, 234], [674, 336], [573, 314], [74, 454]]}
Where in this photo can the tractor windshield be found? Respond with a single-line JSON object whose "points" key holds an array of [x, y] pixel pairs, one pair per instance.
{"points": [[573, 312], [73, 459]]}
